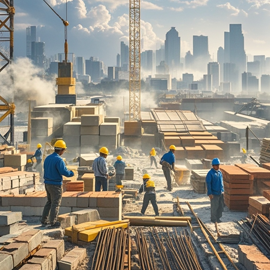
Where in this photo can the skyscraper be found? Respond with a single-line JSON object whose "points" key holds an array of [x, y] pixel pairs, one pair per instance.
{"points": [[31, 36], [200, 52], [213, 69], [160, 55], [265, 84], [220, 59], [124, 56], [80, 65], [172, 51], [118, 60], [38, 54], [93, 67]]}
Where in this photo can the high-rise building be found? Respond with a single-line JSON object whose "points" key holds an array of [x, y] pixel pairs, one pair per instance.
{"points": [[38, 54], [220, 59], [200, 52], [267, 65], [172, 51], [147, 61], [213, 69], [187, 79], [124, 56], [94, 68], [160, 55], [254, 68], [31, 36], [207, 82], [227, 47], [250, 84], [225, 87], [111, 73], [265, 84], [118, 60], [162, 68], [261, 59], [53, 69], [80, 65], [230, 75], [188, 60]]}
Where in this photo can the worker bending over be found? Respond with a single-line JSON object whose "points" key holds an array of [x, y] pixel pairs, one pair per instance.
{"points": [[153, 157], [38, 156], [215, 190], [100, 169], [167, 162], [119, 166], [150, 194], [54, 168]]}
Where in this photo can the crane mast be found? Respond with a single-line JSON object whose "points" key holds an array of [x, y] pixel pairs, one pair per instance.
{"points": [[134, 60]]}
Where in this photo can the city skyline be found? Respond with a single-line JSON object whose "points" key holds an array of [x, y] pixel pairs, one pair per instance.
{"points": [[100, 26]]}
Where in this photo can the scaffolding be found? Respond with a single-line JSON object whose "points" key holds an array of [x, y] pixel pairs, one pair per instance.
{"points": [[134, 60]]}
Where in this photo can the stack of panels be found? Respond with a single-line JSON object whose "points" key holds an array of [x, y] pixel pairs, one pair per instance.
{"points": [[193, 164], [180, 152], [198, 182], [213, 151], [132, 128], [261, 177], [258, 205], [9, 222], [75, 186], [71, 134], [238, 186], [265, 151], [194, 152], [172, 140]]}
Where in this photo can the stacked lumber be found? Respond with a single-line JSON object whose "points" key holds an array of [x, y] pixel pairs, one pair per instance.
{"points": [[194, 152], [212, 151], [198, 182], [258, 205], [266, 194], [182, 175], [187, 141], [169, 140], [261, 177], [265, 151], [180, 152], [238, 186]]}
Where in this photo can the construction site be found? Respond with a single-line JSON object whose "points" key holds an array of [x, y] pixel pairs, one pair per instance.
{"points": [[107, 229]]}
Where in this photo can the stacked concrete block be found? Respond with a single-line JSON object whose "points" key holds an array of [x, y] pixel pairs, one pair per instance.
{"points": [[71, 134], [72, 259], [258, 205], [87, 159], [41, 126], [112, 120], [81, 110], [129, 173], [197, 180], [9, 222], [193, 164], [91, 120], [108, 135], [132, 128], [17, 161], [89, 181]]}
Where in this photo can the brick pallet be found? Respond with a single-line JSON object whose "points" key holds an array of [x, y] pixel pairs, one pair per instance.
{"points": [[198, 181], [238, 186]]}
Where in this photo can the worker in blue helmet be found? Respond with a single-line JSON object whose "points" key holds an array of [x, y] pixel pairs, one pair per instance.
{"points": [[215, 190]]}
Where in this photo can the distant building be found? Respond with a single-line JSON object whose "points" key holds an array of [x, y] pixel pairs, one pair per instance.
{"points": [[159, 84], [124, 56], [200, 53], [80, 65], [118, 60], [166, 77], [225, 87], [213, 69], [261, 59], [254, 68], [187, 80], [220, 59], [207, 82], [85, 79], [250, 84], [93, 67], [111, 73], [162, 68], [31, 36], [147, 61], [172, 51], [160, 55], [265, 84], [38, 54], [189, 60], [53, 69], [231, 75], [267, 65]]}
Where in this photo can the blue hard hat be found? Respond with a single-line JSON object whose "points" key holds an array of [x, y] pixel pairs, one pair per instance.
{"points": [[215, 161]]}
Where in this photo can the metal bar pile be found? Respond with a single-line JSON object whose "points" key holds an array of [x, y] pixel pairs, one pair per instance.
{"points": [[172, 250], [111, 248], [260, 229]]}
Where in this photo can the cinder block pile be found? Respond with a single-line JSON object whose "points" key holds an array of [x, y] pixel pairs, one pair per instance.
{"points": [[238, 186], [16, 161], [108, 203], [194, 164], [89, 181], [9, 222], [258, 205], [71, 134], [252, 258], [197, 181]]}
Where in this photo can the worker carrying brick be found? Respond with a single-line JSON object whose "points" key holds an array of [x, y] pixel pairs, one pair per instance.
{"points": [[215, 190], [54, 168], [100, 169], [167, 161], [38, 156], [150, 194], [153, 157], [119, 166]]}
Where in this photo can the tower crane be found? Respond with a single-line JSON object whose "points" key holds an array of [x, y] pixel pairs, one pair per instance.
{"points": [[66, 24]]}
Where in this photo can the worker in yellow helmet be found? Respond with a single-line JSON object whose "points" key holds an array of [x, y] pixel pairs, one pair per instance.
{"points": [[54, 169], [119, 166], [101, 170], [153, 157], [150, 194], [38, 156], [244, 156], [167, 161]]}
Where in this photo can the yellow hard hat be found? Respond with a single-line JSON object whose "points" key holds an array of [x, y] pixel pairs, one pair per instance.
{"points": [[172, 147], [60, 144], [29, 161], [150, 183], [119, 158], [39, 145], [244, 150], [146, 176], [104, 150]]}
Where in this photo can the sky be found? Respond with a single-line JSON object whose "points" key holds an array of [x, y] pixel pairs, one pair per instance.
{"points": [[97, 26]]}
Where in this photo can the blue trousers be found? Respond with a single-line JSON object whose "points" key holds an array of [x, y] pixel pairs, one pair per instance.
{"points": [[101, 181]]}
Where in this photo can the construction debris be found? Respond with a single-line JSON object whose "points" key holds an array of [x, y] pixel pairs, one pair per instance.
{"points": [[158, 221]]}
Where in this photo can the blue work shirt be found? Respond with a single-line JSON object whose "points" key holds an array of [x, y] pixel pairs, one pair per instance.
{"points": [[54, 168], [38, 154], [100, 167], [169, 157], [214, 182], [119, 166]]}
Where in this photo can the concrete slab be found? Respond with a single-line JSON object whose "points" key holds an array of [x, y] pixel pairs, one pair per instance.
{"points": [[43, 262], [72, 259], [86, 215], [50, 254], [89, 140], [108, 129], [58, 245], [67, 220], [6, 262], [72, 129], [10, 218], [89, 130], [92, 120], [9, 229], [33, 239]]}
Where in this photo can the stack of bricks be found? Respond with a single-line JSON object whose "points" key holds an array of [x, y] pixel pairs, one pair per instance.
{"points": [[89, 181], [238, 186], [9, 222], [258, 205], [75, 186], [19, 182], [16, 161], [252, 258], [198, 182], [108, 203]]}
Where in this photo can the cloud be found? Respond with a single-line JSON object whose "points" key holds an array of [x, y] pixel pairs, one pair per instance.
{"points": [[195, 3], [149, 5], [258, 41], [258, 3], [177, 9], [81, 8], [234, 11], [57, 2]]}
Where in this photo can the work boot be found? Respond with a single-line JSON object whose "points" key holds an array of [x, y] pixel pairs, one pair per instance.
{"points": [[56, 225]]}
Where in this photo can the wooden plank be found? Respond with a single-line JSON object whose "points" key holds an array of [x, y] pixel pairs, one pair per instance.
{"points": [[260, 203]]}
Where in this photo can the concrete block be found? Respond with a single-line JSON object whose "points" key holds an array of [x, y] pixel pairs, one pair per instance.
{"points": [[41, 132], [93, 201], [109, 141], [67, 220], [18, 251], [6, 262], [20, 200], [89, 140], [4, 208], [72, 259], [6, 183], [33, 238], [42, 123], [80, 110], [69, 199], [8, 238], [31, 267], [92, 120], [16, 160], [72, 129], [108, 202], [58, 245], [129, 173], [83, 200], [86, 215], [42, 262], [48, 253], [73, 141], [89, 130], [64, 210], [15, 183], [9, 218], [112, 120], [108, 129], [38, 201], [9, 229], [87, 159], [110, 213]]}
